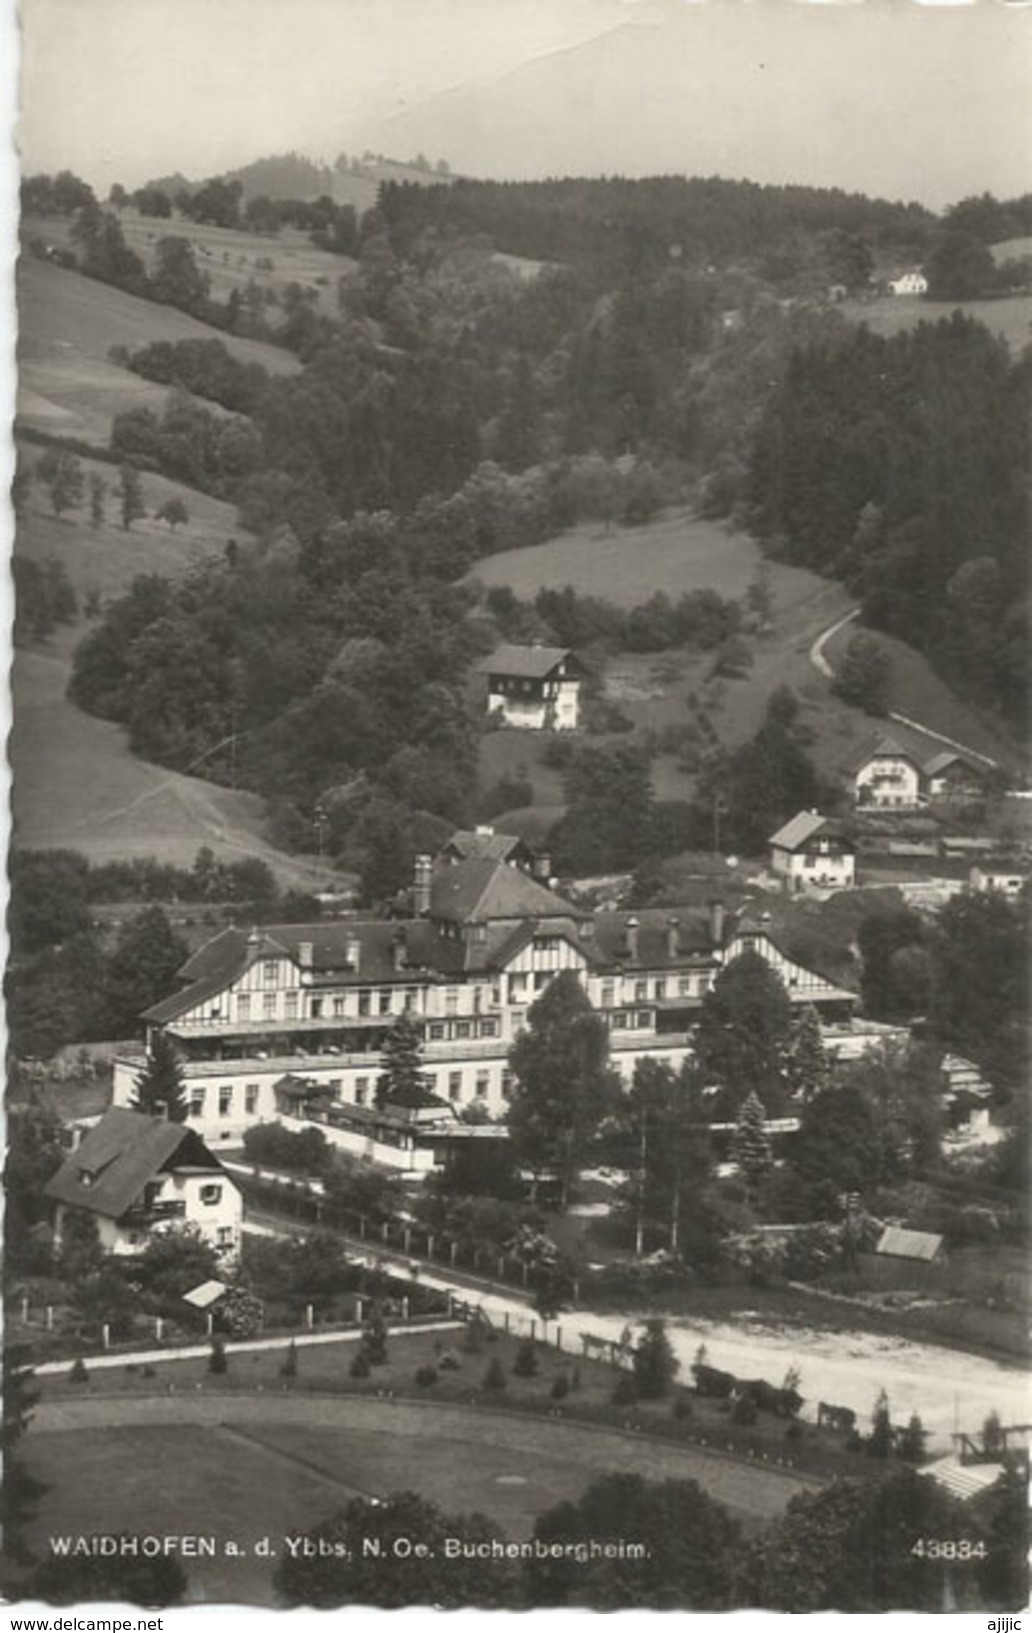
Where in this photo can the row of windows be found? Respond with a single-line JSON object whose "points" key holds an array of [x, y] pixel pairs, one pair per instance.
{"points": [[227, 1102]]}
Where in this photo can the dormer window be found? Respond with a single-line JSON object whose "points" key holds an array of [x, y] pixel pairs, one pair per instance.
{"points": [[85, 1179]]}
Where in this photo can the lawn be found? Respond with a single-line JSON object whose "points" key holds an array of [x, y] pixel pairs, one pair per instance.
{"points": [[67, 324], [1010, 317], [250, 1454]]}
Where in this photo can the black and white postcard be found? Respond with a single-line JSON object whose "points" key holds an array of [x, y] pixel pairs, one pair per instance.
{"points": [[521, 809]]}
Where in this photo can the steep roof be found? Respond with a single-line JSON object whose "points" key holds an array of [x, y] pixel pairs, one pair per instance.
{"points": [[470, 844], [524, 662], [884, 747], [107, 1172], [474, 892], [947, 757], [803, 827]]}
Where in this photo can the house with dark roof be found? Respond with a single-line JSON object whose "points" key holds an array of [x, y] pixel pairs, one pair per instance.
{"points": [[483, 843], [953, 778], [136, 1175], [813, 852], [290, 1020], [536, 687]]}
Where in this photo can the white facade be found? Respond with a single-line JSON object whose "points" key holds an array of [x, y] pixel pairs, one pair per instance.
{"points": [[888, 782], [207, 1199], [909, 283], [1002, 881], [552, 704], [823, 865]]}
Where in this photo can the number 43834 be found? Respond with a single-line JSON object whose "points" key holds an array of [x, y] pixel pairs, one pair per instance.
{"points": [[947, 1548]]}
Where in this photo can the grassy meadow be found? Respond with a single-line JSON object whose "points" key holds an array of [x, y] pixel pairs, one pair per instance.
{"points": [[1009, 317], [68, 323]]}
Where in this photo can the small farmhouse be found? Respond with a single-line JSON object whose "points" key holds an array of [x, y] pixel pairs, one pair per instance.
{"points": [[953, 778], [812, 852], [536, 687], [887, 777], [1004, 878], [134, 1174], [483, 844], [913, 282]]}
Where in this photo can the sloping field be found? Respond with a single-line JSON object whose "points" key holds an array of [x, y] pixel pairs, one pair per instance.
{"points": [[77, 786], [228, 256], [1010, 317], [107, 558], [675, 552], [68, 323]]}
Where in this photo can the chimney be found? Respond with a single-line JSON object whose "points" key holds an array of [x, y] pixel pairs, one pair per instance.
{"points": [[484, 830], [305, 950], [673, 938], [541, 866], [631, 937], [421, 886], [399, 951], [352, 950], [716, 919]]}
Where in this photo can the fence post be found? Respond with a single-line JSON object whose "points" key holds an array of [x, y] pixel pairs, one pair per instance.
{"points": [[525, 1271], [25, 1309], [429, 1247], [453, 1253], [159, 1328], [501, 1267], [404, 1306], [383, 1231], [361, 1227], [210, 1323], [507, 1321], [105, 1335], [476, 1259], [406, 1237], [533, 1328], [309, 1317], [558, 1336], [50, 1317], [358, 1310], [584, 1343]]}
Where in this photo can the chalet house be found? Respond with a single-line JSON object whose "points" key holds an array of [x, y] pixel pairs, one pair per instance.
{"points": [[887, 777], [135, 1175], [314, 1004], [812, 852], [536, 687], [913, 282], [483, 844], [953, 778]]}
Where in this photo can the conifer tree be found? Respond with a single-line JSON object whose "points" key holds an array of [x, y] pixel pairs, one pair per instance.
{"points": [[160, 1090], [402, 1080], [807, 1061], [130, 490], [750, 1144]]}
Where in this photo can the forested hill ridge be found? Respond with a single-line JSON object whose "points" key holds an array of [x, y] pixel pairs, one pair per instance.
{"points": [[449, 407]]}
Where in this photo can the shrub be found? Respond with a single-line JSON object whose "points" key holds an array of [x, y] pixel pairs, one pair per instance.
{"points": [[494, 1377], [794, 1431], [448, 1361], [289, 1367], [625, 1393], [655, 1363], [525, 1364], [359, 1367], [682, 1405], [218, 1360], [743, 1412], [425, 1376], [78, 1374], [560, 1387], [148, 1372]]}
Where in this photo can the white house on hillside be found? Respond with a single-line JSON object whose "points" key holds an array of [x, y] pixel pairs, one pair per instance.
{"points": [[887, 777], [536, 687], [134, 1175], [913, 282], [812, 852]]}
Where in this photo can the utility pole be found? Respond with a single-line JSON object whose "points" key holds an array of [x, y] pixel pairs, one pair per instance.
{"points": [[639, 1234]]}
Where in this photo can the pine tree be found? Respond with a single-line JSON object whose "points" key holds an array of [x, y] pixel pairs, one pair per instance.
{"points": [[879, 1441], [402, 1081], [655, 1364], [750, 1144], [130, 490], [807, 1061], [744, 1027], [160, 1090], [911, 1445]]}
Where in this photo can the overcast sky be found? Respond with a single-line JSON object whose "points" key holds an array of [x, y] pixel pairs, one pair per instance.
{"points": [[127, 89]]}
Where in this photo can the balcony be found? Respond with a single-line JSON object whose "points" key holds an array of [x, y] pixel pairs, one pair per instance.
{"points": [[142, 1215]]}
